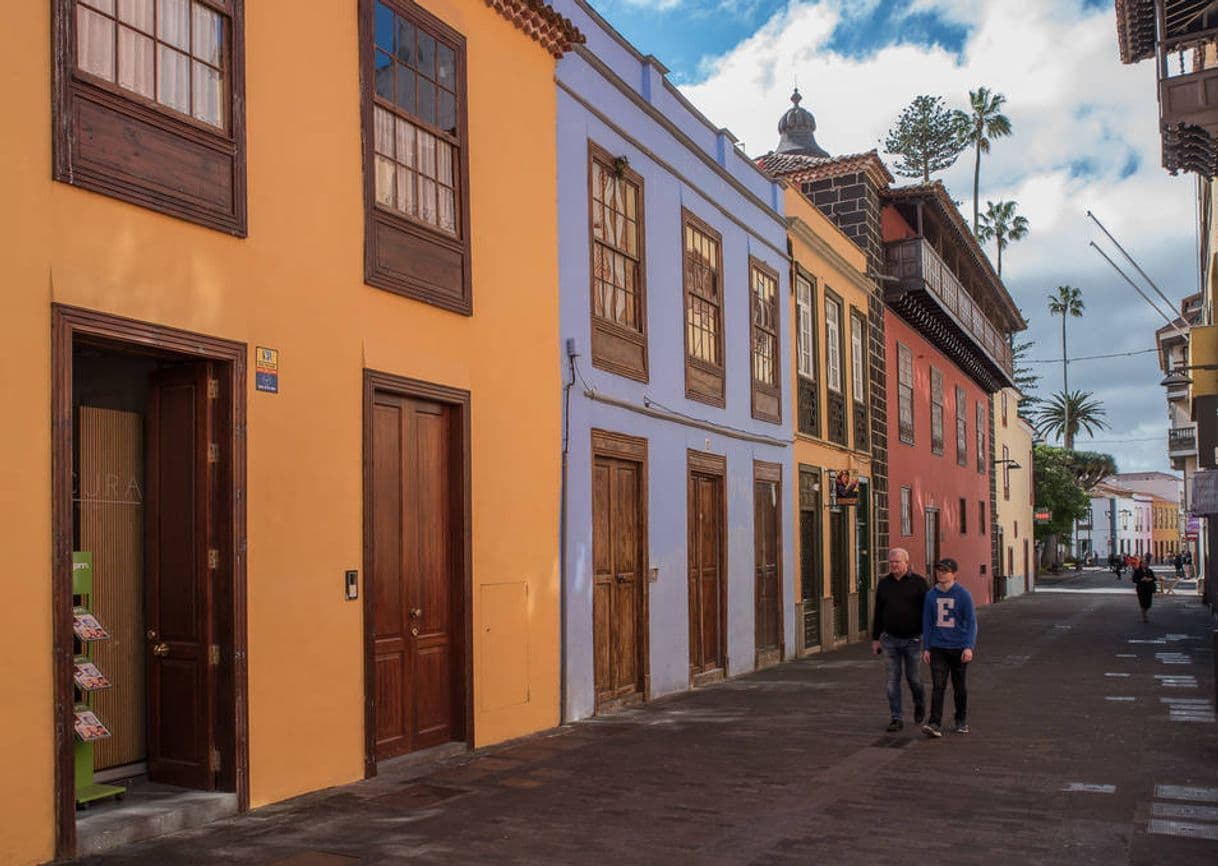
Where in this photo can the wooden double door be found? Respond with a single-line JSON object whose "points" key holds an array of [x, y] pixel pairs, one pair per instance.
{"points": [[706, 552], [619, 598], [415, 598], [811, 555]]}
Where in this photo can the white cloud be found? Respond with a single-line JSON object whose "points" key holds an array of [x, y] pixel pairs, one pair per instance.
{"points": [[1079, 118]]}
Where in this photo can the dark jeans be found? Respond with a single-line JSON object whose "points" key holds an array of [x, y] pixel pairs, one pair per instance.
{"points": [[942, 663], [898, 653]]}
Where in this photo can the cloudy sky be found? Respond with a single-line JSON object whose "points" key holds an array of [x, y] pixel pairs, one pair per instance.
{"points": [[1085, 137]]}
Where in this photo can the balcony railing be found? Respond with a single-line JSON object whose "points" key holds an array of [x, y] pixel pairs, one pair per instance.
{"points": [[1182, 441], [915, 260]]}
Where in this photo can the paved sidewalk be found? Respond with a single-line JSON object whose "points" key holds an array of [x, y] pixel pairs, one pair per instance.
{"points": [[1093, 742]]}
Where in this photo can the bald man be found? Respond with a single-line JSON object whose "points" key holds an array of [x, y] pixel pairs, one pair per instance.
{"points": [[896, 631]]}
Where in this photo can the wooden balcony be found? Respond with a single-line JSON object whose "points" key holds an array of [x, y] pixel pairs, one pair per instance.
{"points": [[933, 299], [1188, 106]]}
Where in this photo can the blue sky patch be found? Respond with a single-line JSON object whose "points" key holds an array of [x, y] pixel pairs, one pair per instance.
{"points": [[891, 23]]}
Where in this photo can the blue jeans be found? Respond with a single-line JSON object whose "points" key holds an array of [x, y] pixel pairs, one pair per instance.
{"points": [[900, 651]]}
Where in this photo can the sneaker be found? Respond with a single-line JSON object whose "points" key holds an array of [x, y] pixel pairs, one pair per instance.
{"points": [[961, 727], [919, 714], [932, 730], [895, 725]]}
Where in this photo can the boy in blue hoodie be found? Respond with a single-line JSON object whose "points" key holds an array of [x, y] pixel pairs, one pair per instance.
{"points": [[949, 636]]}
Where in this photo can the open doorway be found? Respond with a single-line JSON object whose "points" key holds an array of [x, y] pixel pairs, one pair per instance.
{"points": [[149, 579]]}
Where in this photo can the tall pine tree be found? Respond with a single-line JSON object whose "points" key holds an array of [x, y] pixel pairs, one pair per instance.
{"points": [[927, 137]]}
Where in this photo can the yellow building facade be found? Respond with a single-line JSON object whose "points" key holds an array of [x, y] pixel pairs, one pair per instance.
{"points": [[1166, 539], [1014, 488], [834, 542], [317, 318]]}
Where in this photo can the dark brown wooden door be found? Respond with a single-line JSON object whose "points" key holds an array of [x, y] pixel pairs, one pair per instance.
{"points": [[811, 555], [839, 569], [414, 575], [705, 505], [768, 621], [178, 536], [617, 600]]}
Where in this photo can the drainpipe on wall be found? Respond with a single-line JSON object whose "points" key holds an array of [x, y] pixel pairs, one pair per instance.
{"points": [[562, 535]]}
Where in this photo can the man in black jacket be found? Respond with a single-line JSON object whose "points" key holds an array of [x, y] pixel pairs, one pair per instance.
{"points": [[896, 630]]}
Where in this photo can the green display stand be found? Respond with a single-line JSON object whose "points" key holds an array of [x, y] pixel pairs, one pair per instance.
{"points": [[87, 789]]}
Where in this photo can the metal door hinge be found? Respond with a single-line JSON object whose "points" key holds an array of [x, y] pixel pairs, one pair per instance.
{"points": [[213, 654], [213, 558], [213, 388], [215, 760], [213, 452]]}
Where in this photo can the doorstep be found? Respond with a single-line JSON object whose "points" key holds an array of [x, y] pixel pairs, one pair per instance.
{"points": [[146, 811]]}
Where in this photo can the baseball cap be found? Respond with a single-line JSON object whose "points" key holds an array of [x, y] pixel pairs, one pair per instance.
{"points": [[947, 564]]}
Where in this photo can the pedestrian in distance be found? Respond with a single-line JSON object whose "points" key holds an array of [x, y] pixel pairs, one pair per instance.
{"points": [[949, 639], [896, 631], [1144, 584]]}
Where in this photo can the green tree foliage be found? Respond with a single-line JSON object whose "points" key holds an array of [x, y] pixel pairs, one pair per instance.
{"points": [[1063, 416], [927, 137], [1001, 223], [1055, 477], [984, 122], [1091, 467], [1027, 381]]}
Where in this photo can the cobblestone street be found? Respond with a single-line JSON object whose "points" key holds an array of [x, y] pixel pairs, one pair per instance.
{"points": [[1093, 741]]}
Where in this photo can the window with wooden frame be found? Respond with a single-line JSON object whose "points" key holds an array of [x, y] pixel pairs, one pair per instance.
{"points": [[833, 344], [763, 294], [963, 516], [858, 357], [905, 394], [1006, 473], [703, 277], [936, 411], [906, 511], [416, 166], [807, 402], [981, 432], [149, 98], [981, 516], [619, 309], [1004, 408], [961, 427]]}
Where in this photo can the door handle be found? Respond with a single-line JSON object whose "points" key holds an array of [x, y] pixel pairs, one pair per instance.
{"points": [[414, 632], [416, 612], [151, 634], [623, 578], [160, 649]]}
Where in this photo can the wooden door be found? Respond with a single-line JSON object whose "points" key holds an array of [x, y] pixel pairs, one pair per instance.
{"points": [[932, 543], [617, 594], [839, 569], [862, 546], [707, 653], [767, 577], [811, 555], [180, 475], [415, 577]]}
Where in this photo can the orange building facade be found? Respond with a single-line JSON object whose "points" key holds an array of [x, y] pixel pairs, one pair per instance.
{"points": [[278, 354]]}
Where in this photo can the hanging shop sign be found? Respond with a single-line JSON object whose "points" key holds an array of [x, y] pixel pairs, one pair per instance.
{"points": [[1043, 516], [845, 488]]}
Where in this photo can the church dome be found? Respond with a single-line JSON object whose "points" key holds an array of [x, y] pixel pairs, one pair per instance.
{"points": [[798, 130]]}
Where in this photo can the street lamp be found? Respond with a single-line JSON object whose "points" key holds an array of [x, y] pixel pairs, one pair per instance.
{"points": [[1176, 376], [1009, 462]]}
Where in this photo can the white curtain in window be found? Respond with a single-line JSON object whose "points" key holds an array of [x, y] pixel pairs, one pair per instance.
{"points": [[803, 312], [94, 43], [135, 62]]}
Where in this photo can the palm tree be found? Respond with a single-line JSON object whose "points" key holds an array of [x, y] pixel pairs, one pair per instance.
{"points": [[1067, 302], [1001, 223], [1063, 415], [986, 122]]}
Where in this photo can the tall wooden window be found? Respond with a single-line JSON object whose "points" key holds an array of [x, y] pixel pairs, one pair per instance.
{"points": [[415, 162], [858, 359], [148, 105], [833, 344], [905, 394], [1006, 472], [704, 373], [981, 433], [619, 312], [961, 427], [963, 516], [906, 511], [807, 403], [763, 294], [936, 411], [981, 516], [1004, 408]]}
